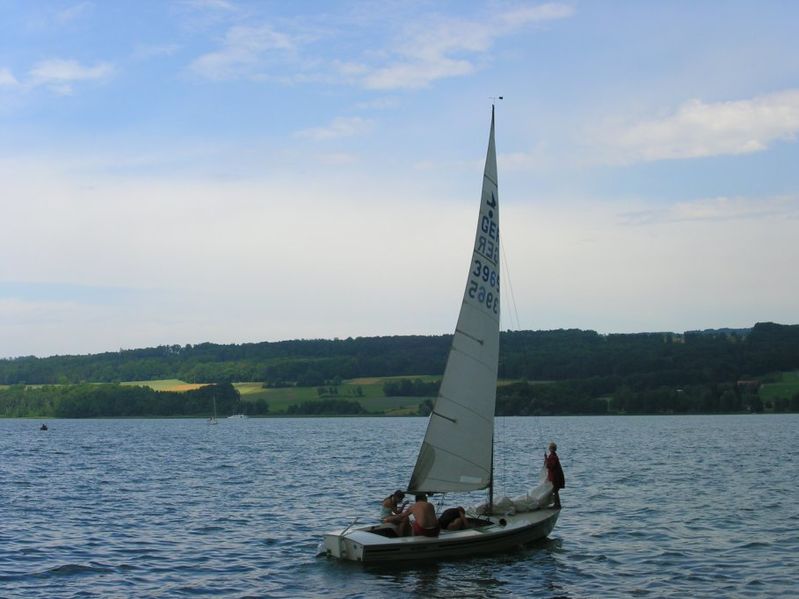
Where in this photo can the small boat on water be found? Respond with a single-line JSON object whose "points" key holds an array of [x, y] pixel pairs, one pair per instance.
{"points": [[237, 417], [457, 451], [212, 419], [43, 427]]}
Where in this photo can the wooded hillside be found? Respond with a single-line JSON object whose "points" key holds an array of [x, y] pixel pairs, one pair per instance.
{"points": [[556, 372]]}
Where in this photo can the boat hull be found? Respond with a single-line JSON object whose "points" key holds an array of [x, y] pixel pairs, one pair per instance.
{"points": [[502, 534]]}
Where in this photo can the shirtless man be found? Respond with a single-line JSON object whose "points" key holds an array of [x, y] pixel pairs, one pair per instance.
{"points": [[424, 513]]}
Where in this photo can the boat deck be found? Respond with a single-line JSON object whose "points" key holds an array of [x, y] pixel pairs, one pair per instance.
{"points": [[502, 534]]}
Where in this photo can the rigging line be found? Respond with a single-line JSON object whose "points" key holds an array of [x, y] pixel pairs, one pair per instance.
{"points": [[515, 313]]}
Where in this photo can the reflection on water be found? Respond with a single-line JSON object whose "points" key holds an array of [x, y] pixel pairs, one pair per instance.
{"points": [[658, 506]]}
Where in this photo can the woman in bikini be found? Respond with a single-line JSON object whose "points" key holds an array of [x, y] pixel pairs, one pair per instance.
{"points": [[391, 512]]}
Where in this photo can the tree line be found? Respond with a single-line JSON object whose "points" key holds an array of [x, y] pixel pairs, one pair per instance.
{"points": [[658, 358], [561, 372], [410, 388], [113, 401]]}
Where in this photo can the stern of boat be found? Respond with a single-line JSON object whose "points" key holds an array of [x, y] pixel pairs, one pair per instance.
{"points": [[339, 545]]}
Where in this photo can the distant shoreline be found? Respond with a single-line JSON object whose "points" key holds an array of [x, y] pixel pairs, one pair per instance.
{"points": [[334, 416]]}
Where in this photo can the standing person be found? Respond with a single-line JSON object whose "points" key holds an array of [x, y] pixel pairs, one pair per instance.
{"points": [[554, 472]]}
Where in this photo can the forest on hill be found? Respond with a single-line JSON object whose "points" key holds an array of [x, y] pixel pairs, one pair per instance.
{"points": [[581, 371]]}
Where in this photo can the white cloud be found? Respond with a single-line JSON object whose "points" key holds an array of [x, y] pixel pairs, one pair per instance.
{"points": [[222, 5], [338, 128], [270, 240], [74, 12], [705, 263], [698, 129], [7, 78], [59, 74], [522, 161], [450, 48], [525, 15], [384, 103], [417, 73], [580, 264], [243, 53], [437, 49], [718, 209], [145, 52], [337, 158]]}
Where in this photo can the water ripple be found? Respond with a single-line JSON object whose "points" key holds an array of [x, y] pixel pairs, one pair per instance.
{"points": [[655, 507]]}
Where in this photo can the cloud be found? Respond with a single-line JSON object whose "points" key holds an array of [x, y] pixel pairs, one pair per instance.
{"points": [[206, 239], [450, 48], [385, 103], [74, 12], [243, 52], [337, 159], [338, 128], [223, 5], [673, 276], [145, 52], [718, 209], [59, 74], [698, 129], [7, 78], [523, 161], [437, 49]]}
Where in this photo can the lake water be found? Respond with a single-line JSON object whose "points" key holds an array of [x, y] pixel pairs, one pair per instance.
{"points": [[702, 506]]}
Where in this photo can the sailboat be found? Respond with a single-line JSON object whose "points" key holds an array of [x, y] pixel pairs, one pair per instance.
{"points": [[212, 419], [456, 454]]}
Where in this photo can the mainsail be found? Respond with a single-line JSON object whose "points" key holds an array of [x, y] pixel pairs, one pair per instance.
{"points": [[456, 452]]}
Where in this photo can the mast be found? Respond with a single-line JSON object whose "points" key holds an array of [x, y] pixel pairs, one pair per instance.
{"points": [[491, 481]]}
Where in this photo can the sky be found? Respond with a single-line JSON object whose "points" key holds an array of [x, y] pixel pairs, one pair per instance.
{"points": [[176, 172]]}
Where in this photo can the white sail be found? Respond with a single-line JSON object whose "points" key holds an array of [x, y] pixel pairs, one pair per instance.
{"points": [[456, 452]]}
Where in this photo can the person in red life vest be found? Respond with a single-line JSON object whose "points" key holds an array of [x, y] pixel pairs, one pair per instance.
{"points": [[554, 473]]}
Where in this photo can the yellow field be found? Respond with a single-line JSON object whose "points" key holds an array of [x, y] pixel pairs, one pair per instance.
{"points": [[166, 385]]}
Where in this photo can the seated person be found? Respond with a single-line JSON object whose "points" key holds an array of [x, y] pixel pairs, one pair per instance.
{"points": [[391, 512], [454, 518], [424, 513]]}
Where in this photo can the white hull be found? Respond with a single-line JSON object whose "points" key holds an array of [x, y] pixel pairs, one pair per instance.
{"points": [[502, 534]]}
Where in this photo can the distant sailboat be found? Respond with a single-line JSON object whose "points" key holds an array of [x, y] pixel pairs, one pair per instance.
{"points": [[212, 419], [457, 451]]}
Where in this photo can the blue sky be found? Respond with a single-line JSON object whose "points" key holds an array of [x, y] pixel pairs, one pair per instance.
{"points": [[230, 171]]}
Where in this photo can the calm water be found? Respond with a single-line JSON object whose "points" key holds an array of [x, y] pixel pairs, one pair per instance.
{"points": [[654, 507]]}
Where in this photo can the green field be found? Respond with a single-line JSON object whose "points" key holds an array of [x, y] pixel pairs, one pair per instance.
{"points": [[371, 398], [366, 391], [786, 388]]}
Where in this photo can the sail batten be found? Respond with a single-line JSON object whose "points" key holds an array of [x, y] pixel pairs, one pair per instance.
{"points": [[456, 451], [460, 405]]}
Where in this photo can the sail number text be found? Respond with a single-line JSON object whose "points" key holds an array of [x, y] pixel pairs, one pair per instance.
{"points": [[488, 244], [484, 285]]}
